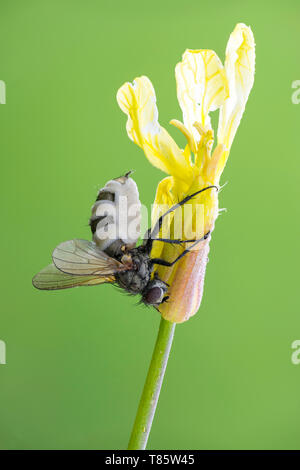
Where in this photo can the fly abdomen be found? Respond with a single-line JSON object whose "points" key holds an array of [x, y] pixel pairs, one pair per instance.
{"points": [[116, 214], [104, 196]]}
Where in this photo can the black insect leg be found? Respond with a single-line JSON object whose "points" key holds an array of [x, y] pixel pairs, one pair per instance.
{"points": [[176, 241], [151, 235], [158, 224], [162, 262]]}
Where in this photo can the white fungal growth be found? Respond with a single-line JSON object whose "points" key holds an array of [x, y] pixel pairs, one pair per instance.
{"points": [[118, 219]]}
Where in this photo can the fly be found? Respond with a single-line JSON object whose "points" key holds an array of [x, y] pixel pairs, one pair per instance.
{"points": [[111, 258]]}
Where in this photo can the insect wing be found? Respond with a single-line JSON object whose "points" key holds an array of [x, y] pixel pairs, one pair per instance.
{"points": [[50, 278], [84, 258]]}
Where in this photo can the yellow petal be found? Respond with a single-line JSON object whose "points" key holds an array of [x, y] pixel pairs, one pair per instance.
{"points": [[169, 192], [163, 201], [239, 68], [211, 169], [201, 87], [163, 197], [138, 101]]}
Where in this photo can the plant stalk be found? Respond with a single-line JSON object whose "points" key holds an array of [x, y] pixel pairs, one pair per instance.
{"points": [[151, 391]]}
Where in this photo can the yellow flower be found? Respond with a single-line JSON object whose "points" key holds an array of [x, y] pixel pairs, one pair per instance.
{"points": [[203, 85]]}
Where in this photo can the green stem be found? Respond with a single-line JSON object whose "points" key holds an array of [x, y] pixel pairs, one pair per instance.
{"points": [[150, 395]]}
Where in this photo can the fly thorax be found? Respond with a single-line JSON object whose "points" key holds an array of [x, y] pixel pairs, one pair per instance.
{"points": [[116, 214], [136, 280]]}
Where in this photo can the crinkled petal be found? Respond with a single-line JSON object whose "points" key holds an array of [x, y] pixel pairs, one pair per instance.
{"points": [[138, 101], [239, 68], [201, 87]]}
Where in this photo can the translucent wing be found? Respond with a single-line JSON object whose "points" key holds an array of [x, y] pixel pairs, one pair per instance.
{"points": [[50, 278], [84, 258]]}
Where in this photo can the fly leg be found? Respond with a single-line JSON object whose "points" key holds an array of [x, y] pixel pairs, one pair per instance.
{"points": [[162, 262], [175, 242], [150, 238]]}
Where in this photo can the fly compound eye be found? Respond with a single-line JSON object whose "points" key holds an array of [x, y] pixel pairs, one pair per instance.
{"points": [[154, 295]]}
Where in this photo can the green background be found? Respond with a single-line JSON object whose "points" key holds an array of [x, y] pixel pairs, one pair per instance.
{"points": [[77, 359]]}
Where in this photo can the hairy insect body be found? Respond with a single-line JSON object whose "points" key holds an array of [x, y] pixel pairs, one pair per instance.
{"points": [[136, 281]]}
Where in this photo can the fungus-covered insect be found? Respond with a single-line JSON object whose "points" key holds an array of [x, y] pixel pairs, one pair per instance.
{"points": [[114, 259]]}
